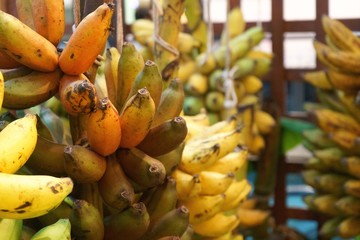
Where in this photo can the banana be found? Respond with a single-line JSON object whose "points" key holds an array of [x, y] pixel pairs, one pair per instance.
{"points": [[201, 118], [103, 128], [130, 65], [136, 118], [31, 196], [132, 223], [352, 187], [243, 67], [27, 232], [187, 43], [188, 234], [77, 94], [60, 230], [331, 157], [31, 89], [340, 34], [346, 61], [172, 159], [213, 183], [264, 121], [202, 153], [214, 101], [218, 225], [165, 194], [142, 29], [321, 50], [15, 72], [235, 194], [83, 165], [171, 102], [24, 12], [328, 228], [349, 101], [348, 205], [330, 43], [2, 89], [235, 162], [193, 105], [317, 164], [187, 186], [87, 42], [86, 221], [202, 208], [352, 165], [187, 67], [236, 25], [48, 17], [329, 121], [197, 84], [325, 203], [341, 80], [169, 27], [90, 193], [62, 211], [39, 160], [111, 72], [349, 227], [310, 177], [10, 229], [150, 78], [26, 46], [173, 223], [318, 137], [318, 79], [140, 167], [164, 137], [114, 186], [347, 140], [6, 62], [18, 140], [252, 217], [252, 84]]}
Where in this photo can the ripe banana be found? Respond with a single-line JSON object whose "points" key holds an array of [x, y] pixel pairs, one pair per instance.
{"points": [[252, 217], [347, 82], [111, 72], [164, 138], [252, 84], [136, 118], [236, 24], [103, 128], [83, 165], [29, 196], [235, 194], [130, 65], [31, 89], [2, 89], [201, 153], [318, 79], [140, 167], [25, 12], [349, 227], [331, 157], [187, 186], [218, 225], [171, 102], [348, 205], [18, 140], [77, 94], [325, 203], [347, 140], [60, 230], [87, 41], [213, 183], [352, 165], [197, 84], [264, 121], [131, 223], [114, 186], [6, 62], [328, 228], [26, 46], [10, 229], [349, 101]]}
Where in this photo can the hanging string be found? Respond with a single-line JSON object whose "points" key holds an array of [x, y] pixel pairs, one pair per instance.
{"points": [[119, 26], [230, 94], [157, 11]]}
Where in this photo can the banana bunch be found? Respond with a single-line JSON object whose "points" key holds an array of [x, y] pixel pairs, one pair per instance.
{"points": [[332, 170]]}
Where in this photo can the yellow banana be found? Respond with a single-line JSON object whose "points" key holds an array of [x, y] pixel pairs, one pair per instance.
{"points": [[340, 34], [103, 128], [201, 118], [252, 84], [318, 79], [236, 24], [29, 196], [252, 217], [202, 208], [254, 54], [197, 84], [60, 230], [87, 41], [187, 43], [347, 140], [346, 61], [213, 183], [349, 227], [264, 122], [24, 11], [111, 71], [11, 229], [1, 89], [6, 62], [202, 153], [352, 165], [18, 140], [321, 51], [348, 99], [25, 45], [347, 82], [136, 118], [218, 225], [235, 194], [187, 186], [186, 68]]}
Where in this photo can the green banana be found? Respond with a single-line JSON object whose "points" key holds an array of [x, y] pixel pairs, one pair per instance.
{"points": [[30, 90], [171, 102], [214, 101], [140, 167], [332, 183], [10, 229], [244, 67], [83, 165], [62, 211], [114, 186], [86, 221], [130, 65], [59, 230], [172, 159], [91, 194], [16, 72], [328, 228], [326, 204], [132, 223], [193, 105], [309, 176], [216, 80], [348, 205], [331, 157], [188, 234], [318, 137], [173, 223], [164, 137], [150, 78], [317, 164]]}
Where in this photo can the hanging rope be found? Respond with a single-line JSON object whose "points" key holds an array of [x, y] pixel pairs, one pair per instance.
{"points": [[157, 11], [119, 26], [230, 94]]}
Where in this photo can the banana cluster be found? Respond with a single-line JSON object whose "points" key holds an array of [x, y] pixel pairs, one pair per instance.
{"points": [[211, 179], [333, 169]]}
